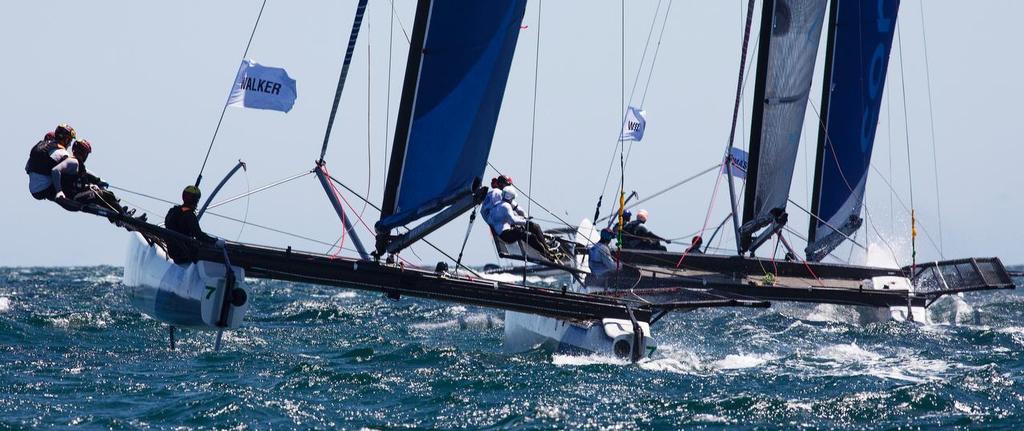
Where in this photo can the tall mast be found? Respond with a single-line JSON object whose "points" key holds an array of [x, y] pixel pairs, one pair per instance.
{"points": [[826, 92], [757, 116], [357, 23], [404, 122], [460, 56]]}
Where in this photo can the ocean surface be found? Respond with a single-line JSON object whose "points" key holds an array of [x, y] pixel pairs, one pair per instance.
{"points": [[73, 352]]}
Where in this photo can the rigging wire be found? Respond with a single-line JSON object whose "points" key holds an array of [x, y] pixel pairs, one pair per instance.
{"points": [[743, 110], [374, 206], [842, 175], [258, 189], [666, 189], [621, 146], [657, 47], [888, 126], [224, 110], [906, 208], [369, 148], [248, 200], [248, 223], [654, 60], [394, 15], [618, 142], [732, 129], [931, 121], [910, 173], [387, 109], [357, 23], [533, 128]]}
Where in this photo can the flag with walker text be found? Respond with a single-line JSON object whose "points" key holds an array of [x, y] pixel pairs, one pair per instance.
{"points": [[261, 87]]}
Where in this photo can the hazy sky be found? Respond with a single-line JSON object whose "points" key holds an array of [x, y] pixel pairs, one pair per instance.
{"points": [[145, 82]]}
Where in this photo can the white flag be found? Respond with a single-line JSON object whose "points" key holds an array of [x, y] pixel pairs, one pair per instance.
{"points": [[262, 87], [738, 167], [633, 126]]}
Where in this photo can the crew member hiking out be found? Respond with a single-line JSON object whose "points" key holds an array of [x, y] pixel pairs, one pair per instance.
{"points": [[182, 219], [508, 223], [44, 157], [637, 236], [82, 187], [493, 197]]}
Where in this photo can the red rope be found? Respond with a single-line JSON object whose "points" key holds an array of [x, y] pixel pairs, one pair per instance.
{"points": [[806, 265], [707, 217], [341, 242], [350, 207]]}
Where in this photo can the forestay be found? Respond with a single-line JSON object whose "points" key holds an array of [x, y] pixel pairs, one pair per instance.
{"points": [[458, 66], [860, 40], [790, 34]]}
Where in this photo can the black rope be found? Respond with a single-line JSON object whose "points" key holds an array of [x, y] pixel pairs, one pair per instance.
{"points": [[465, 240], [199, 178], [354, 193]]}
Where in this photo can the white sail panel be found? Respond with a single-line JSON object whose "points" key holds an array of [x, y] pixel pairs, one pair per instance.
{"points": [[786, 66]]}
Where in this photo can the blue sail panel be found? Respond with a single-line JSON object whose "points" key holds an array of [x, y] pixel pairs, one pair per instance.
{"points": [[451, 104], [862, 41]]}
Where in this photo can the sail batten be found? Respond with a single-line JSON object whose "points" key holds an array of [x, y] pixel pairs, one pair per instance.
{"points": [[459, 62], [860, 40], [790, 35]]}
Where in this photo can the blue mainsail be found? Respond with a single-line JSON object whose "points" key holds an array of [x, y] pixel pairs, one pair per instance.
{"points": [[860, 39], [459, 62]]}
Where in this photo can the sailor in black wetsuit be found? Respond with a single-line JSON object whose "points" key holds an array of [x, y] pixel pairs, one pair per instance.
{"points": [[182, 219], [637, 236], [695, 245]]}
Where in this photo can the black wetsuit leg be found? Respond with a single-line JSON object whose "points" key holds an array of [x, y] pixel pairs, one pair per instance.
{"points": [[537, 238]]}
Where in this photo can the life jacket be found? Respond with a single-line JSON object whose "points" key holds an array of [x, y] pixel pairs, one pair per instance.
{"points": [[71, 184], [39, 160]]}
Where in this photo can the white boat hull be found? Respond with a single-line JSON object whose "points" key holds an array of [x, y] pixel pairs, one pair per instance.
{"points": [[607, 336], [900, 313], [187, 296]]}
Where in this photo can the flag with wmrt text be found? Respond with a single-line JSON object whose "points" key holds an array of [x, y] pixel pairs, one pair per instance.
{"points": [[738, 163], [262, 87], [634, 125]]}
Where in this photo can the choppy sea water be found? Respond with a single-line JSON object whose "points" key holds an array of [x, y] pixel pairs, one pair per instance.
{"points": [[73, 352]]}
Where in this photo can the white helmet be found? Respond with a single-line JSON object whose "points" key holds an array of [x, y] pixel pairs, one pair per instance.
{"points": [[508, 194]]}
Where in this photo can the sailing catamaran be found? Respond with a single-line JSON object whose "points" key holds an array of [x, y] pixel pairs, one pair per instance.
{"points": [[455, 79], [859, 40]]}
